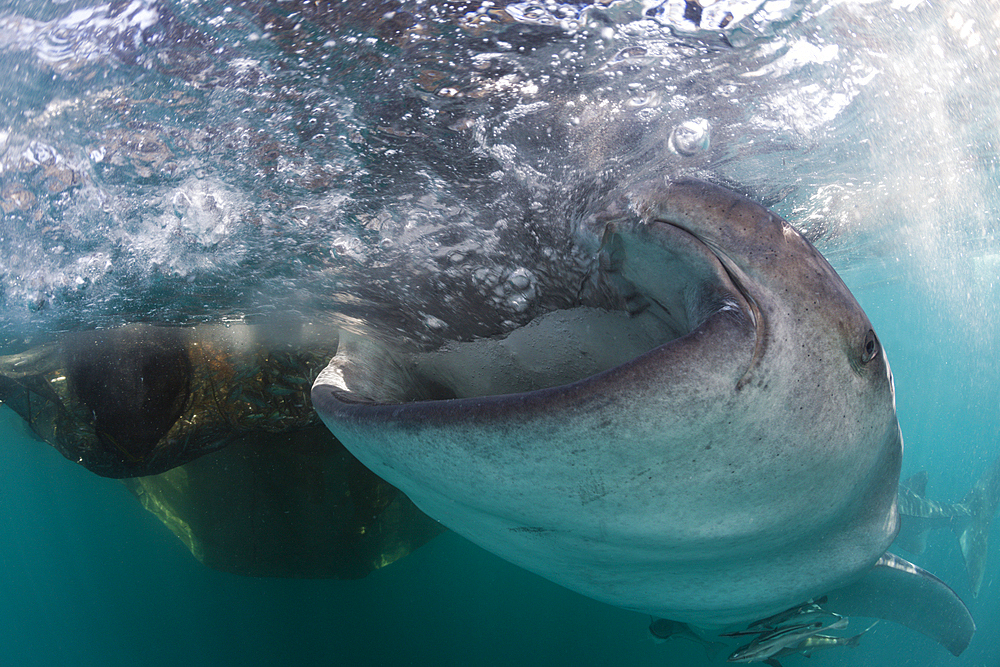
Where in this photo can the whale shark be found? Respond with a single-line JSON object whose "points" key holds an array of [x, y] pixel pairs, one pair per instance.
{"points": [[721, 447], [970, 519]]}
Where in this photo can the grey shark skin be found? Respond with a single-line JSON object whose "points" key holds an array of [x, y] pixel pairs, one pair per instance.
{"points": [[667, 461]]}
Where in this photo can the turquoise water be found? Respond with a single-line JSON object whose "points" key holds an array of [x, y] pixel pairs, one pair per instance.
{"points": [[178, 162], [92, 579]]}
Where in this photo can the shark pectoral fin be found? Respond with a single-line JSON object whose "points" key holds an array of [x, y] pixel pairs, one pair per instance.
{"points": [[901, 592]]}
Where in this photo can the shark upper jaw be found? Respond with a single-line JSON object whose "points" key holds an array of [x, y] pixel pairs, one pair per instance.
{"points": [[737, 283]]}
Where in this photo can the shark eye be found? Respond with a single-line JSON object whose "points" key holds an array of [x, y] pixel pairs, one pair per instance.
{"points": [[871, 347]]}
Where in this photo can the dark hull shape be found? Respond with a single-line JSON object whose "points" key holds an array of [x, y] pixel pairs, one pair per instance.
{"points": [[141, 399]]}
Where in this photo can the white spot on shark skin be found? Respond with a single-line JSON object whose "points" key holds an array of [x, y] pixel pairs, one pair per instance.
{"points": [[434, 323]]}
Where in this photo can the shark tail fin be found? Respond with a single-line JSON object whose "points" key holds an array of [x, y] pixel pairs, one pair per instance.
{"points": [[973, 535]]}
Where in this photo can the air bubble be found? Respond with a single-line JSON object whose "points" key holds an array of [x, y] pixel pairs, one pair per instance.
{"points": [[434, 323], [690, 137], [520, 279], [630, 52], [517, 303]]}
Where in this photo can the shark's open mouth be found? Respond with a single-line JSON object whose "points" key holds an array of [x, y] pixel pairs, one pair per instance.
{"points": [[667, 284]]}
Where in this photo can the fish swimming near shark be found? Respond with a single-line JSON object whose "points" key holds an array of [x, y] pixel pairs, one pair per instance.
{"points": [[772, 642], [806, 612], [665, 457], [816, 642]]}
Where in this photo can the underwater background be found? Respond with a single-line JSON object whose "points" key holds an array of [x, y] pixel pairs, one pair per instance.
{"points": [[439, 172]]}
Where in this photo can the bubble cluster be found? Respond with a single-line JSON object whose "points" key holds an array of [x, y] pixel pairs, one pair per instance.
{"points": [[445, 170], [690, 137]]}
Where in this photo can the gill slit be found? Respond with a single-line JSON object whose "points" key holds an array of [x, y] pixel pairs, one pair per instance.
{"points": [[758, 321]]}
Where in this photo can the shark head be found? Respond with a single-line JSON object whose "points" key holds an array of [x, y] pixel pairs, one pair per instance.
{"points": [[723, 448]]}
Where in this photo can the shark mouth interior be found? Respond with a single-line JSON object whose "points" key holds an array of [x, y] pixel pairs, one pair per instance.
{"points": [[666, 282]]}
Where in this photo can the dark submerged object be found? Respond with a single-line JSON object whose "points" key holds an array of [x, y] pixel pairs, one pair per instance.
{"points": [[212, 429], [293, 504], [136, 382], [141, 399]]}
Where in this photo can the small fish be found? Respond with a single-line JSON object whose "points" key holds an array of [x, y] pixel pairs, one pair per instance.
{"points": [[806, 617], [817, 642], [769, 644], [970, 519], [808, 608]]}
